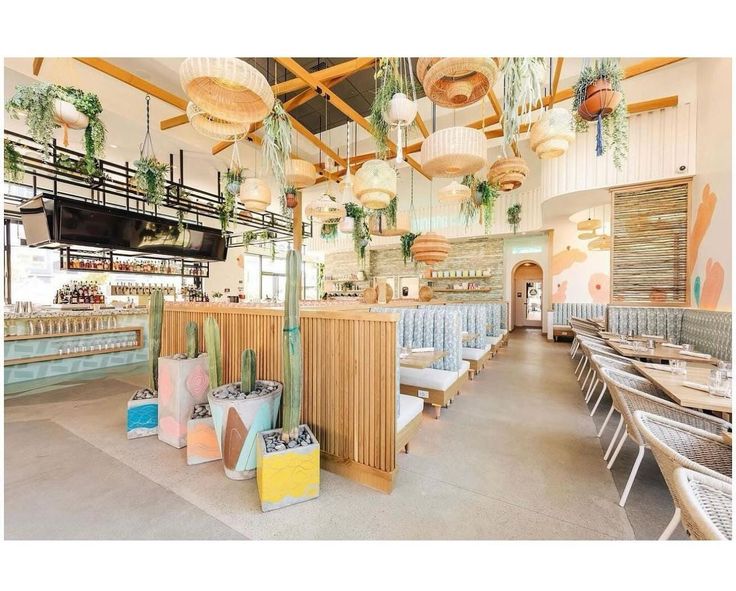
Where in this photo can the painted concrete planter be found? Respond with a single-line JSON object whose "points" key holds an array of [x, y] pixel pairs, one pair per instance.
{"points": [[142, 417], [182, 383], [287, 477], [238, 422], [201, 437]]}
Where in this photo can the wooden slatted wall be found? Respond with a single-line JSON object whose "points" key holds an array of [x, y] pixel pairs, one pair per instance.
{"points": [[349, 374], [649, 250]]}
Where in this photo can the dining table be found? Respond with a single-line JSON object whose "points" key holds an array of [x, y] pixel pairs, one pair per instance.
{"points": [[661, 352], [607, 336], [675, 386], [420, 359]]}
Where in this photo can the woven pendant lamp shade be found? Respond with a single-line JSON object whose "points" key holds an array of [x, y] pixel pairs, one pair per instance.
{"points": [[552, 134], [401, 110], [589, 225], [430, 248], [454, 82], [227, 88], [453, 193], [255, 194], [375, 184], [214, 128], [601, 243], [300, 173], [454, 151], [325, 209], [377, 225], [508, 173], [587, 236]]}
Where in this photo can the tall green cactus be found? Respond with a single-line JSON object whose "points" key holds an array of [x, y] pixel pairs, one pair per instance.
{"points": [[248, 371], [214, 354], [155, 322], [192, 339], [292, 349]]}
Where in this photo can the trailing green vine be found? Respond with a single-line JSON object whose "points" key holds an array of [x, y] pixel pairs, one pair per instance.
{"points": [[13, 163], [406, 242], [612, 130], [328, 231], [361, 235], [482, 199], [276, 147], [150, 178], [389, 81], [522, 83]]}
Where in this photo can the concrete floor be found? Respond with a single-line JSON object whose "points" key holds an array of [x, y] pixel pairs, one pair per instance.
{"points": [[515, 457]]}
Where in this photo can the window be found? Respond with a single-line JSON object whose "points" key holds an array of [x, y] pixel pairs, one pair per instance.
{"points": [[649, 251]]}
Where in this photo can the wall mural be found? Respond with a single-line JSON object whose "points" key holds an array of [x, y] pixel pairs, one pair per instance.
{"points": [[703, 218], [712, 286], [706, 292], [566, 259], [599, 287], [559, 296]]}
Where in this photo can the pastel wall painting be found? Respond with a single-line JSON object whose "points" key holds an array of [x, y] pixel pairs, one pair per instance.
{"points": [[696, 291], [599, 287], [566, 259], [700, 227], [710, 292], [559, 296]]}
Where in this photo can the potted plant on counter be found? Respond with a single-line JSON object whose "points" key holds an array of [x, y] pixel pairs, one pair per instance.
{"points": [[240, 410], [183, 381], [142, 419], [288, 458]]}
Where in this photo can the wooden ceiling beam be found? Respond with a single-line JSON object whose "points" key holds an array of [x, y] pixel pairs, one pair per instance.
{"points": [[174, 121], [291, 65], [343, 69], [316, 141], [135, 81], [37, 63], [556, 79]]}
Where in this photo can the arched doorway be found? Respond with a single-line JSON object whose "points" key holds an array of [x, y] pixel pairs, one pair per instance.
{"points": [[527, 281]]}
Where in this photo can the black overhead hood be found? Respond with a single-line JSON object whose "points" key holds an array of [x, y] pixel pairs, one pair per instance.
{"points": [[50, 220]]}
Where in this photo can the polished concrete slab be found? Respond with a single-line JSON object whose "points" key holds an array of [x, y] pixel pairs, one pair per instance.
{"points": [[515, 457]]}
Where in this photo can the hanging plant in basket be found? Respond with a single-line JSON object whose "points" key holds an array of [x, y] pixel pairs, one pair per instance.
{"points": [[513, 216], [328, 231], [289, 197], [13, 163], [150, 174], [598, 96], [394, 104], [50, 106], [276, 147], [406, 242], [522, 90], [360, 233], [483, 198]]}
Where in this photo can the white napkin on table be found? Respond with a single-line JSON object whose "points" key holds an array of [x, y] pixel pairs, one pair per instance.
{"points": [[695, 354], [652, 336], [671, 345], [695, 386], [658, 366], [422, 349]]}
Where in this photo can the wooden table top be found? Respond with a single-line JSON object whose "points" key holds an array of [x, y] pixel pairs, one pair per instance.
{"points": [[671, 384], [659, 353], [612, 335], [421, 359]]}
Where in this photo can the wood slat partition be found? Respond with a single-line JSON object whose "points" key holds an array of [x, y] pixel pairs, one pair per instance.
{"points": [[649, 244], [349, 376]]}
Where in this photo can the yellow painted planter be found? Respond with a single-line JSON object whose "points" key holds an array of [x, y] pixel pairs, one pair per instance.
{"points": [[287, 477]]}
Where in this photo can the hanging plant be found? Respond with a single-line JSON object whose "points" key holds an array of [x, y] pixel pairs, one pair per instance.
{"points": [[13, 163], [226, 210], [288, 198], [38, 102], [233, 178], [328, 231], [361, 235], [389, 212], [150, 178], [513, 216], [482, 200], [390, 81], [276, 147], [598, 96], [406, 243], [180, 225], [522, 90]]}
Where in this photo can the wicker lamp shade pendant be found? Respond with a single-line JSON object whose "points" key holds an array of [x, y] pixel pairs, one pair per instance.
{"points": [[300, 173], [227, 88], [454, 82], [453, 151], [326, 209], [508, 173], [255, 194], [375, 184], [453, 193], [430, 248], [552, 134], [603, 242], [213, 127], [588, 235], [589, 225]]}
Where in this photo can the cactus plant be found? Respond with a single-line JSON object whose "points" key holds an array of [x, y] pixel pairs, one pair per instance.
{"points": [[214, 354], [155, 321], [192, 339], [248, 371], [292, 349]]}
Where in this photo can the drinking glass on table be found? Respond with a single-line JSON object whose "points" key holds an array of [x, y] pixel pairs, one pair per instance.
{"points": [[718, 383], [687, 347], [679, 367]]}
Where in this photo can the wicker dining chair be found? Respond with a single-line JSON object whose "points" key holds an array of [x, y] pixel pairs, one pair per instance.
{"points": [[579, 330], [612, 360], [676, 445], [589, 347], [631, 393], [705, 505]]}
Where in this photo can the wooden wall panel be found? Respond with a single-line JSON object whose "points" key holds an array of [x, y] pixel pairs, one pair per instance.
{"points": [[349, 376]]}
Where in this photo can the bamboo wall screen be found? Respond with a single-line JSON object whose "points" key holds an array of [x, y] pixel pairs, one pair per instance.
{"points": [[649, 250]]}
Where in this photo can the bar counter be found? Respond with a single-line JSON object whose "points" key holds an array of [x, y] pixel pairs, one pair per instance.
{"points": [[349, 375]]}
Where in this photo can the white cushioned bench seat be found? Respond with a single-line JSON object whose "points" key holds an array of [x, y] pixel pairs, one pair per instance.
{"points": [[464, 368], [470, 353], [410, 407], [437, 379], [494, 340]]}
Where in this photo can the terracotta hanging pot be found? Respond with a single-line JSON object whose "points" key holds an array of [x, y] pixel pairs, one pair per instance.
{"points": [[600, 99], [291, 201]]}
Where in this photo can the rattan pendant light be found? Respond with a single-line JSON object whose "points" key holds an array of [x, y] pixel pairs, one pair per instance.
{"points": [[300, 173], [552, 134], [213, 127], [508, 173], [454, 151], [255, 194], [603, 242], [453, 193], [375, 184], [589, 225], [454, 82], [587, 235], [326, 209], [227, 88]]}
